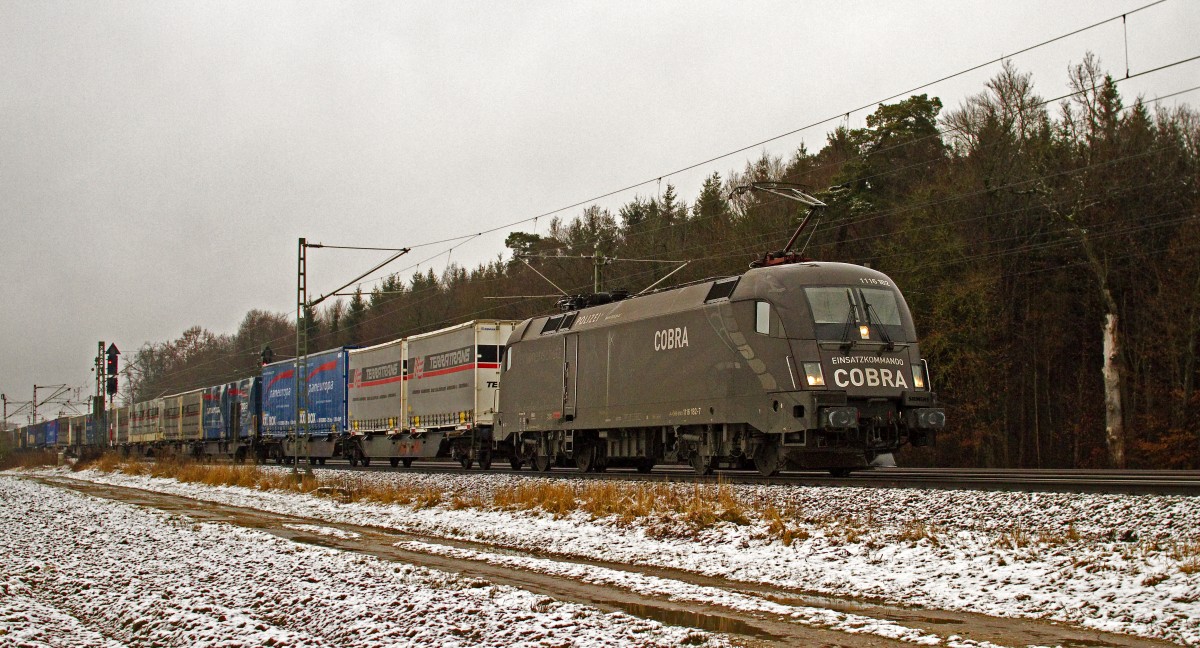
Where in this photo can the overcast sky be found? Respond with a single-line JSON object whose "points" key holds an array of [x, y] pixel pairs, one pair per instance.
{"points": [[159, 160]]}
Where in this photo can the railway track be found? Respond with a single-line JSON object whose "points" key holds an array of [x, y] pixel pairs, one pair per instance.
{"points": [[1135, 482]]}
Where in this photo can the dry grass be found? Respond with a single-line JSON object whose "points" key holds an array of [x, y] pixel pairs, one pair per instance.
{"points": [[699, 507], [1015, 537], [778, 527], [557, 498], [1188, 556], [29, 459], [670, 508], [1055, 538], [916, 530], [108, 462]]}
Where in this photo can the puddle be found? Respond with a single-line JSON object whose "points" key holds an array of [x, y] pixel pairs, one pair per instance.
{"points": [[931, 620], [313, 540], [687, 619]]}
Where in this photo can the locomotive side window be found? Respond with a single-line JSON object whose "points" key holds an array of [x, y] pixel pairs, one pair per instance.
{"points": [[762, 317]]}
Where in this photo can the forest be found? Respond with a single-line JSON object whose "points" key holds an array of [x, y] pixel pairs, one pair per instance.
{"points": [[1046, 247]]}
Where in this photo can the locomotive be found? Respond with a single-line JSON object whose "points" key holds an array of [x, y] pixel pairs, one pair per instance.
{"points": [[794, 364], [800, 365]]}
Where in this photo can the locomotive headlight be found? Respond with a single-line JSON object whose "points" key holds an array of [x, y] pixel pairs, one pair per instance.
{"points": [[918, 376], [864, 331], [813, 374]]}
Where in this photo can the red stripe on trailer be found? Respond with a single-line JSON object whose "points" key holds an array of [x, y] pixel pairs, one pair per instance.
{"points": [[290, 373], [332, 364], [375, 383], [442, 372]]}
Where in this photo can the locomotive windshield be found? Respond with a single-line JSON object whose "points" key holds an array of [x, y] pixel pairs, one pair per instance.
{"points": [[836, 307]]}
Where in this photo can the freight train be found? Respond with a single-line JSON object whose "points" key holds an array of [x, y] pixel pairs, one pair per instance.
{"points": [[805, 365], [794, 364]]}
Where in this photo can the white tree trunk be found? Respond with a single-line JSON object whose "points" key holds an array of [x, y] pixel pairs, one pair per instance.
{"points": [[1114, 417]]}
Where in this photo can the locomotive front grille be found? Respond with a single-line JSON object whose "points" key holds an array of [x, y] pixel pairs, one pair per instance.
{"points": [[830, 398]]}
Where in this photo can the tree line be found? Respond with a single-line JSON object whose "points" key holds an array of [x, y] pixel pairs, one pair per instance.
{"points": [[1047, 250]]}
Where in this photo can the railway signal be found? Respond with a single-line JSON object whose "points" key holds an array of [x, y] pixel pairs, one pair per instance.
{"points": [[110, 385]]}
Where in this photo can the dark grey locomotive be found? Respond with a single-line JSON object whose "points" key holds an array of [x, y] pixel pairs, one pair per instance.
{"points": [[801, 365]]}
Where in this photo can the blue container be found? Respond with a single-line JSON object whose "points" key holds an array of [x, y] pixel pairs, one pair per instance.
{"points": [[232, 410], [245, 406], [50, 433], [325, 376], [212, 418]]}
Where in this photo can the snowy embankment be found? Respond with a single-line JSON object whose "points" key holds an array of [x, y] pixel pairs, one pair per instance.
{"points": [[80, 571], [1119, 563]]}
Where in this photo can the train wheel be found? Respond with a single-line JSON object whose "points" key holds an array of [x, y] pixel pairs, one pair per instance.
{"points": [[466, 462], [353, 459], [645, 465], [542, 463], [840, 473], [321, 461], [701, 464], [766, 459], [395, 461], [366, 462], [485, 460], [515, 463], [407, 463], [585, 459]]}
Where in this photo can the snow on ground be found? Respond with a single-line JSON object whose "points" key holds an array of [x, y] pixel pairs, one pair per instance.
{"points": [[82, 571], [1119, 563]]}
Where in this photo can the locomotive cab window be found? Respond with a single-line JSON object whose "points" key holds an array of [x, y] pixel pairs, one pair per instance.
{"points": [[883, 307], [859, 313], [762, 317]]}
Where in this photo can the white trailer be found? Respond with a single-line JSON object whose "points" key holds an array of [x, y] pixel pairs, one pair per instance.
{"points": [[375, 405], [452, 391]]}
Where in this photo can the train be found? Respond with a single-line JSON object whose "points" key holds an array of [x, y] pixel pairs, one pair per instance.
{"points": [[793, 364]]}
